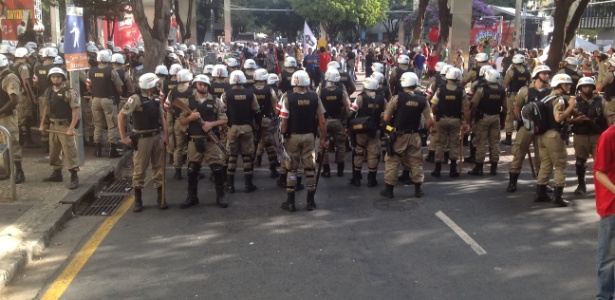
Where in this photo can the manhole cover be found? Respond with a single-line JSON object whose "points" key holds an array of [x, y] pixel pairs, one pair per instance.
{"points": [[396, 205]]}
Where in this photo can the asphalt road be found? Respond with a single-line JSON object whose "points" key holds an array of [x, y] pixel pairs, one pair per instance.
{"points": [[356, 245]]}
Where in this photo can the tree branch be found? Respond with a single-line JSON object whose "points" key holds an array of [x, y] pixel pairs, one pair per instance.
{"points": [[574, 22]]}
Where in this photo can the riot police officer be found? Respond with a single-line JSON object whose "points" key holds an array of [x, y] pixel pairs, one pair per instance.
{"points": [[302, 112], [439, 81], [482, 59], [249, 66], [104, 82], [181, 92], [267, 100], [517, 76], [63, 110], [242, 109], [570, 69], [336, 103], [594, 118], [25, 116], [40, 71], [145, 138], [9, 98], [367, 108], [487, 103], [208, 114], [403, 62], [220, 84], [290, 65], [403, 113]]}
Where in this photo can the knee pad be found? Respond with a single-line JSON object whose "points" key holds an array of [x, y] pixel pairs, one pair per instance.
{"points": [[193, 167], [580, 163], [216, 168]]}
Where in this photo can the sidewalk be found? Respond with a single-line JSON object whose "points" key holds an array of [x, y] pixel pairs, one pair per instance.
{"points": [[42, 208]]}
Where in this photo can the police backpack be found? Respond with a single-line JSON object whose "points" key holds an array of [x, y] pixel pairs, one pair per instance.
{"points": [[535, 116]]}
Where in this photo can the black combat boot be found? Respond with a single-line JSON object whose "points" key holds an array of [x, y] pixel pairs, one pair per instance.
{"points": [[453, 171], [229, 185], [371, 179], [138, 202], [28, 143], [508, 140], [466, 141], [97, 149], [259, 160], [446, 156], [249, 185], [388, 191], [299, 186], [282, 180], [193, 179], [113, 153], [326, 171], [311, 205], [431, 156], [56, 176], [405, 177], [472, 158], [19, 175], [580, 170], [437, 170], [512, 182], [541, 194], [477, 171], [494, 169], [161, 205], [340, 169], [171, 159], [45, 146], [89, 142], [178, 174], [74, 180], [289, 204], [356, 178], [558, 197], [418, 192], [219, 179], [274, 170]]}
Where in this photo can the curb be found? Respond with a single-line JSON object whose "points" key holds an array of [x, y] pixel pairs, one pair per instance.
{"points": [[31, 233]]}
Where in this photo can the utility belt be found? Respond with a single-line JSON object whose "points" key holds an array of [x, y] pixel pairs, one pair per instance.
{"points": [[438, 117], [485, 115], [403, 132], [59, 122], [145, 134]]}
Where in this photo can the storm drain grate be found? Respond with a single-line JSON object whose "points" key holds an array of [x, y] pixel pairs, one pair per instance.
{"points": [[109, 199]]}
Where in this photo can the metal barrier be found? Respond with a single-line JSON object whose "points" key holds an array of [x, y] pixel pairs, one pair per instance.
{"points": [[11, 163]]}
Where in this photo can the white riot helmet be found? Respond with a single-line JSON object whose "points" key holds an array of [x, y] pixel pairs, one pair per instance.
{"points": [[117, 58], [56, 70], [260, 75], [492, 76], [174, 69], [439, 66], [173, 56], [290, 62], [249, 64], [141, 49], [148, 81], [332, 75], [32, 45], [117, 49], [518, 59], [170, 49], [162, 70], [484, 69], [232, 62], [237, 77], [192, 48], [445, 69], [403, 60], [560, 79], [378, 76], [58, 60], [219, 71], [208, 69], [21, 52], [51, 52], [201, 78], [5, 49], [481, 57], [571, 61], [272, 79], [300, 78], [409, 79], [92, 49], [334, 64], [183, 47], [184, 75], [378, 67], [180, 53], [453, 74], [3, 61], [103, 56], [586, 81], [539, 69], [370, 84]]}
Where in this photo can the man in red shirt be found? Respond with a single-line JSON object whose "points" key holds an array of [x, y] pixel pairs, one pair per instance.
{"points": [[325, 59], [432, 60], [604, 177]]}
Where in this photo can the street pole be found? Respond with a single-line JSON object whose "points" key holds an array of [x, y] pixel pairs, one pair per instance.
{"points": [[500, 29], [73, 77], [518, 7], [227, 22], [54, 12], [211, 29]]}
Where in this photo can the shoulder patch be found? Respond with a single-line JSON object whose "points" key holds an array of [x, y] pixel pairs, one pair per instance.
{"points": [[130, 100], [561, 101]]}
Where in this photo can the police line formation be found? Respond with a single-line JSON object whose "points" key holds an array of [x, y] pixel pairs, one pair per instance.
{"points": [[227, 112]]}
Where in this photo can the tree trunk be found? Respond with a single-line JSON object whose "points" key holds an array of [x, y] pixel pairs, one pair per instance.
{"points": [[574, 22], [154, 39], [557, 47], [417, 29], [444, 15]]}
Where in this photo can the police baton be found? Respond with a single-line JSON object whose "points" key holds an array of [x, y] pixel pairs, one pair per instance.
{"points": [[529, 157], [320, 159], [163, 198], [181, 105], [61, 132]]}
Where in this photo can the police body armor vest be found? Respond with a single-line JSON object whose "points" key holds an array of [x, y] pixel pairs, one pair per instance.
{"points": [[168, 86], [449, 102], [535, 95], [345, 80], [285, 78], [398, 73], [121, 72], [302, 112], [594, 111], [440, 82], [41, 74], [553, 125], [149, 117], [207, 109], [332, 101], [100, 82], [263, 97], [218, 88], [574, 75], [492, 100], [373, 108], [249, 81], [17, 66], [59, 108], [408, 113], [520, 79], [239, 106], [4, 96], [176, 94]]}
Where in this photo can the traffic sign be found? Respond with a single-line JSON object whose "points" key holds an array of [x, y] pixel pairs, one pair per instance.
{"points": [[74, 40]]}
